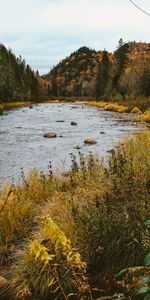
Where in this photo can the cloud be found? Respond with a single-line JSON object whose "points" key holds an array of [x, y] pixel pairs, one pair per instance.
{"points": [[46, 31]]}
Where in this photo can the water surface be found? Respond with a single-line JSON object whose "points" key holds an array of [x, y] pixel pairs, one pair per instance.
{"points": [[23, 145]]}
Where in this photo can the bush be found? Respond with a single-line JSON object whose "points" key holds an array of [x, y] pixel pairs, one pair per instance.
{"points": [[48, 268]]}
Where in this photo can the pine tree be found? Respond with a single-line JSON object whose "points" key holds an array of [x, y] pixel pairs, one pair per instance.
{"points": [[145, 83], [103, 74], [121, 57]]}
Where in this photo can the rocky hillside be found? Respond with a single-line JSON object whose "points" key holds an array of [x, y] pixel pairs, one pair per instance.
{"points": [[91, 73], [17, 80]]}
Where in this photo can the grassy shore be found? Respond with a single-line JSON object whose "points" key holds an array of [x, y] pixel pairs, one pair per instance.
{"points": [[69, 235], [128, 108], [10, 105]]}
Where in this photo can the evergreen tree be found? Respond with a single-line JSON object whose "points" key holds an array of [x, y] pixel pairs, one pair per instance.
{"points": [[121, 57], [54, 86], [145, 83], [103, 74]]}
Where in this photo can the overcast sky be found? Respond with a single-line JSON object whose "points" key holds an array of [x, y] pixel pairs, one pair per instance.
{"points": [[46, 31]]}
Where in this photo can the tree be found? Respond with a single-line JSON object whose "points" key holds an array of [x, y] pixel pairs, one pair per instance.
{"points": [[54, 85], [145, 83], [121, 58], [103, 74]]}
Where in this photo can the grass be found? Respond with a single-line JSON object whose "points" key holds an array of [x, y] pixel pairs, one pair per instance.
{"points": [[129, 105], [136, 110], [146, 116], [109, 106], [98, 210], [9, 105], [116, 107]]}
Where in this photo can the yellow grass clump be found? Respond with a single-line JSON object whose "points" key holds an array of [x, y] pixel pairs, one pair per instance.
{"points": [[116, 107], [109, 106], [9, 105], [99, 104], [146, 116], [136, 110]]}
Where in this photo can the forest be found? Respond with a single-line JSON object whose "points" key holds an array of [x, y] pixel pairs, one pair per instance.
{"points": [[17, 79], [103, 75]]}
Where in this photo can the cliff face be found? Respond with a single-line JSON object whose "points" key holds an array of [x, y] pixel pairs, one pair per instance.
{"points": [[83, 72]]}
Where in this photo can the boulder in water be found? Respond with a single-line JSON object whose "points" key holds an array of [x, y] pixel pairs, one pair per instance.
{"points": [[50, 134], [90, 142], [73, 123]]}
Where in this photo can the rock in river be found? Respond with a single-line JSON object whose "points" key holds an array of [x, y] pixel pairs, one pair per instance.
{"points": [[50, 134], [73, 123], [90, 142]]}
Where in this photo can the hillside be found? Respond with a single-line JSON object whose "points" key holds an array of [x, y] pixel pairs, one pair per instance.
{"points": [[17, 80], [91, 73], [75, 75]]}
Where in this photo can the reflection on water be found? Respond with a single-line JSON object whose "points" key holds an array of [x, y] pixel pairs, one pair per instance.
{"points": [[23, 145]]}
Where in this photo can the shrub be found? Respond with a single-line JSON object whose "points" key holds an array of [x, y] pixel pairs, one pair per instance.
{"points": [[110, 230], [49, 268]]}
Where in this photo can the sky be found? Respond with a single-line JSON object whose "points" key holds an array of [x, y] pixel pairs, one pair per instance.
{"points": [[46, 31]]}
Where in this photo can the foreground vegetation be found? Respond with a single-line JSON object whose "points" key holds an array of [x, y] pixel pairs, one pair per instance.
{"points": [[67, 236]]}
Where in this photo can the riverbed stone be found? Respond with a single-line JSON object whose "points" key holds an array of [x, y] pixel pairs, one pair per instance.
{"points": [[73, 123], [50, 134], [90, 142]]}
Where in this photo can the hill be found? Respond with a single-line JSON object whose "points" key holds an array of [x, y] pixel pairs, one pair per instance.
{"points": [[90, 73]]}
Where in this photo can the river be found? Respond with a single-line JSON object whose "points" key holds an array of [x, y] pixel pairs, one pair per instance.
{"points": [[23, 145]]}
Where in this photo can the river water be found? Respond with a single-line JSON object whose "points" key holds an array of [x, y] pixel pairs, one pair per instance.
{"points": [[23, 145]]}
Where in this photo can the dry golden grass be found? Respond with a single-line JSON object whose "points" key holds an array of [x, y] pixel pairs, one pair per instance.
{"points": [[109, 106], [116, 107], [9, 105], [136, 110], [146, 116]]}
